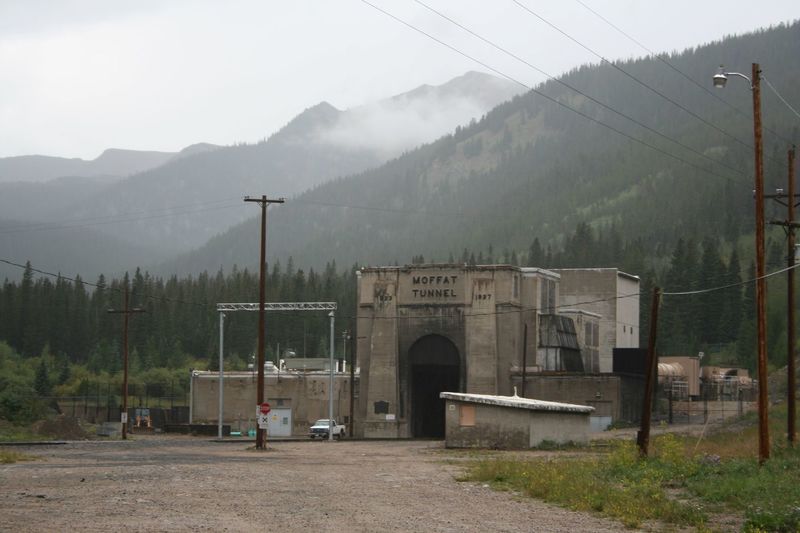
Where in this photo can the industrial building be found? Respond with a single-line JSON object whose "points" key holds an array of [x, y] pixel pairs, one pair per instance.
{"points": [[427, 329], [296, 397]]}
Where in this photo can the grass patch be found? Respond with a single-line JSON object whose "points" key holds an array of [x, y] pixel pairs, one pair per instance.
{"points": [[674, 485], [10, 456], [11, 433]]}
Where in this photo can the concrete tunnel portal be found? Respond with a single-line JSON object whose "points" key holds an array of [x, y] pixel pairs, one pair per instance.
{"points": [[434, 367]]}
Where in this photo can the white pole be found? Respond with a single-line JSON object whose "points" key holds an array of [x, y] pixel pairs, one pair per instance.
{"points": [[191, 393], [221, 375], [330, 387]]}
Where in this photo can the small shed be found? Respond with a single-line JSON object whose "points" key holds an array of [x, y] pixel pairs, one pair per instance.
{"points": [[511, 422]]}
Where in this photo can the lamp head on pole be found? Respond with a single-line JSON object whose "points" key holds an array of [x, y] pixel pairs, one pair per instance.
{"points": [[720, 78]]}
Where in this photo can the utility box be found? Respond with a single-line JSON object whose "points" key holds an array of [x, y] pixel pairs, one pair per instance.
{"points": [[279, 422]]}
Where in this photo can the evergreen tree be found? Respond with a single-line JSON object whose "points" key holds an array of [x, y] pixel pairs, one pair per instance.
{"points": [[732, 307], [535, 254], [711, 304], [41, 382], [746, 343]]}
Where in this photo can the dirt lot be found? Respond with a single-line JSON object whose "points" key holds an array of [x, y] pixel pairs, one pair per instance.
{"points": [[166, 484]]}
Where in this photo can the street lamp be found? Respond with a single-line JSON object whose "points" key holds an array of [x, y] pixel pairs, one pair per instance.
{"points": [[720, 79]]}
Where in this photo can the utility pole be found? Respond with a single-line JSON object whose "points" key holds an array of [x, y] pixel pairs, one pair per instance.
{"points": [[125, 312], [352, 384], [789, 225], [331, 315], [720, 79], [263, 202], [761, 282], [791, 384], [345, 334], [643, 437]]}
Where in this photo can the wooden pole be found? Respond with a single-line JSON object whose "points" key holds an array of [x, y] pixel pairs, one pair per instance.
{"points": [[643, 437]]}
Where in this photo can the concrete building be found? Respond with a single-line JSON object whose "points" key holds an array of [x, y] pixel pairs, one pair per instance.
{"points": [[511, 422], [611, 294], [297, 399], [424, 329], [613, 397]]}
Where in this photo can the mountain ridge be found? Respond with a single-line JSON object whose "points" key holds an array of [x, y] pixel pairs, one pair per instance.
{"points": [[531, 169]]}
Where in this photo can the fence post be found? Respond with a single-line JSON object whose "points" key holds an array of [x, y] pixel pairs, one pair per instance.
{"points": [[688, 408], [741, 406], [669, 399]]}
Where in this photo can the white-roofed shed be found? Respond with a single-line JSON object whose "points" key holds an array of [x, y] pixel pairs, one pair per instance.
{"points": [[511, 422]]}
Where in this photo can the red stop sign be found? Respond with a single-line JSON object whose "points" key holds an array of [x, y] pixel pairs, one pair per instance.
{"points": [[264, 408]]}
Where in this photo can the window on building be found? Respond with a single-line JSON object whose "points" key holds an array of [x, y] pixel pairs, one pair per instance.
{"points": [[466, 415], [547, 299]]}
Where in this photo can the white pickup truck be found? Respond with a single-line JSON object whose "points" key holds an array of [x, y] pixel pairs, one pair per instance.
{"points": [[322, 426]]}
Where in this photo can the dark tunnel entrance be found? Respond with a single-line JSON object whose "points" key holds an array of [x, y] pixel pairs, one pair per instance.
{"points": [[434, 367]]}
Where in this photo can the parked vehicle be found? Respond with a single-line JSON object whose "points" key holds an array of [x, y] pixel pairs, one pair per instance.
{"points": [[322, 426]]}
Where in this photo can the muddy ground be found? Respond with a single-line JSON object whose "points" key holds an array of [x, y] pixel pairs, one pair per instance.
{"points": [[157, 483]]}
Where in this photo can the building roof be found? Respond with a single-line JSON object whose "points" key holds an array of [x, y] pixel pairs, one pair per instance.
{"points": [[464, 267], [619, 272], [517, 402]]}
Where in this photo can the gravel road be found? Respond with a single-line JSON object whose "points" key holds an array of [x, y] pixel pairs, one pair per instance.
{"points": [[154, 483]]}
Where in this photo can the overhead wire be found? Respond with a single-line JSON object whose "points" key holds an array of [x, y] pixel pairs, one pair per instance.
{"points": [[632, 77], [688, 78], [546, 96], [730, 285], [578, 91], [521, 309], [782, 99], [117, 219], [78, 279]]}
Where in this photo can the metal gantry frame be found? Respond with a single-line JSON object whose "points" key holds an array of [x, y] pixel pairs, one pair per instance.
{"points": [[223, 308]]}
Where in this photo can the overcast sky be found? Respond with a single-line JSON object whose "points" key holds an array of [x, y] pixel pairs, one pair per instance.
{"points": [[79, 76]]}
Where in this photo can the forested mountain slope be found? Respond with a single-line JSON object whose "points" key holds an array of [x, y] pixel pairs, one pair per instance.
{"points": [[195, 197], [531, 168]]}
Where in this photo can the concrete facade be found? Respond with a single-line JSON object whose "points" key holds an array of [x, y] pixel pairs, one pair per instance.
{"points": [[613, 295], [510, 422], [302, 397], [424, 329], [613, 397]]}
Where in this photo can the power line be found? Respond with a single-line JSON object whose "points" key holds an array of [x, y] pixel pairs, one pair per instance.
{"points": [[404, 211], [78, 279], [521, 309], [116, 219], [782, 99], [632, 77], [578, 91], [722, 287], [545, 96], [677, 70]]}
